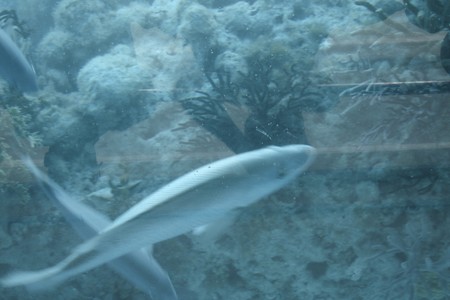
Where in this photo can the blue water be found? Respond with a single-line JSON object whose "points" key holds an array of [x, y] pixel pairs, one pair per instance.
{"points": [[134, 94]]}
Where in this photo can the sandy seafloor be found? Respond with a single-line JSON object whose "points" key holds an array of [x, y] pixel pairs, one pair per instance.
{"points": [[369, 220]]}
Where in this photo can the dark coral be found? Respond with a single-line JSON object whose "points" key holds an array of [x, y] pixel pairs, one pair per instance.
{"points": [[274, 99]]}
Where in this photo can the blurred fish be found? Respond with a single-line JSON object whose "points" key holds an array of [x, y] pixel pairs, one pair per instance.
{"points": [[195, 199], [14, 67], [138, 267]]}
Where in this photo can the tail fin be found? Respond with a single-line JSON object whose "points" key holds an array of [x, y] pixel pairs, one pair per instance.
{"points": [[32, 279]]}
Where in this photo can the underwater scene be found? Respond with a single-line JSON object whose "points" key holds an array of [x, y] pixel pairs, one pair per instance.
{"points": [[225, 149]]}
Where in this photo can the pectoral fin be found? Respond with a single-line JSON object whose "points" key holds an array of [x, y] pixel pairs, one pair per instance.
{"points": [[213, 231]]}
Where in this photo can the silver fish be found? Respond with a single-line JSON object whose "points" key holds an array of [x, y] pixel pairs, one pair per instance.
{"points": [[138, 267], [195, 199], [14, 67]]}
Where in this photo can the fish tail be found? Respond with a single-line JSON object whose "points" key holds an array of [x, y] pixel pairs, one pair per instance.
{"points": [[32, 279], [41, 279]]}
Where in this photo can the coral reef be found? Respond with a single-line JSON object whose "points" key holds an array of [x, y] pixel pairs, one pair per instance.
{"points": [[111, 82], [136, 93], [80, 34]]}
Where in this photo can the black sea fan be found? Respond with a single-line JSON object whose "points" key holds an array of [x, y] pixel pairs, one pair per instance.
{"points": [[263, 107]]}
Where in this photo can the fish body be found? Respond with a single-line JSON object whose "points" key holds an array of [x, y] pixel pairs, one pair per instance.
{"points": [[195, 199], [14, 67], [138, 267]]}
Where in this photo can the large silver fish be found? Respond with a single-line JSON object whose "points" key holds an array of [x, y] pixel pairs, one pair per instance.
{"points": [[198, 198], [138, 267], [14, 67]]}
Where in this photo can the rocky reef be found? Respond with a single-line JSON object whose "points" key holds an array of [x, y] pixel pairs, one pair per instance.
{"points": [[136, 93]]}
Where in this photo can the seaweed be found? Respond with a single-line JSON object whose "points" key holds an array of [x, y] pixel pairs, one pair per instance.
{"points": [[271, 100], [14, 178], [377, 11], [431, 15], [10, 17], [414, 265], [18, 136], [20, 114], [408, 119]]}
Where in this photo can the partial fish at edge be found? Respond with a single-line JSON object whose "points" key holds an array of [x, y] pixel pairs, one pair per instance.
{"points": [[14, 67]]}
